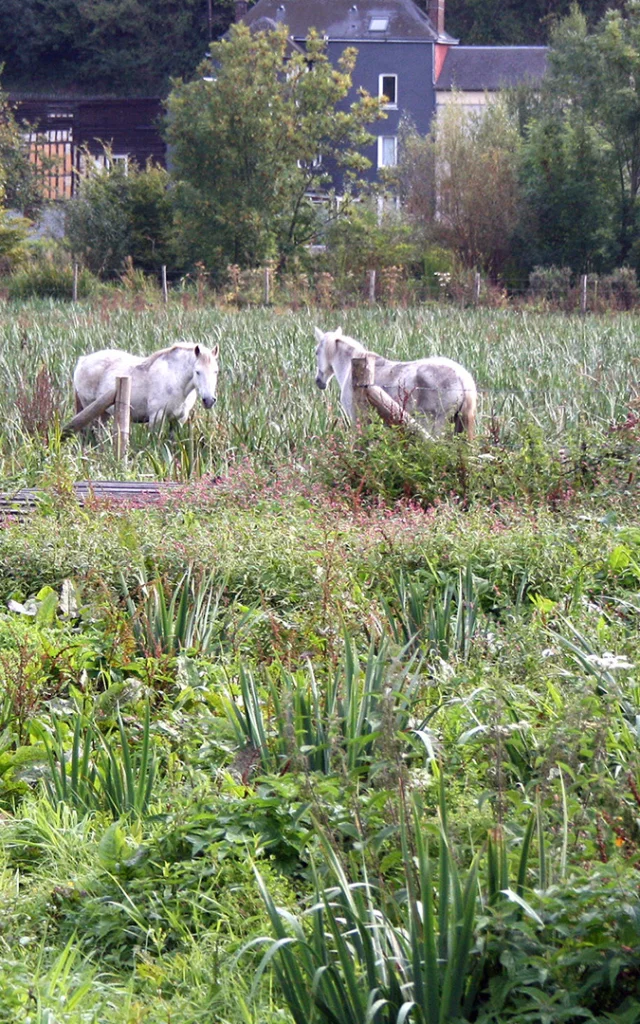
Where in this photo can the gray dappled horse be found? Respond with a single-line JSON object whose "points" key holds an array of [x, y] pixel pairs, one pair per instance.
{"points": [[432, 390]]}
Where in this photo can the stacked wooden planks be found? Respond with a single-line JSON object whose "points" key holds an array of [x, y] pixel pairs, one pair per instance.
{"points": [[137, 492]]}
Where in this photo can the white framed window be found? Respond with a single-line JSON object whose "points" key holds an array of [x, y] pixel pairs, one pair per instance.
{"points": [[388, 87], [103, 161], [378, 24], [387, 151], [122, 159]]}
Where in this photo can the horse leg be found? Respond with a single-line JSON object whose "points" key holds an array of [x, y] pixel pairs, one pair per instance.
{"points": [[156, 418], [438, 423], [346, 400]]}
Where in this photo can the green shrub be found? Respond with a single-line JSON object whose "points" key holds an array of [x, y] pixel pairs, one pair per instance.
{"points": [[48, 274], [551, 283], [620, 288], [438, 264], [121, 212], [364, 241], [390, 464], [13, 240]]}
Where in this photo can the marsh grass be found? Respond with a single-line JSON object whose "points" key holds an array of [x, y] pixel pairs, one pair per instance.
{"points": [[457, 617], [557, 372]]}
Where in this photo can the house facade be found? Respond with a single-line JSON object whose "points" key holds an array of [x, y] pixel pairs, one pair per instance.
{"points": [[470, 76], [62, 130], [405, 55], [397, 44]]}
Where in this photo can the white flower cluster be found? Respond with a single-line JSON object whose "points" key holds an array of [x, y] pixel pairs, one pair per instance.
{"points": [[608, 661]]}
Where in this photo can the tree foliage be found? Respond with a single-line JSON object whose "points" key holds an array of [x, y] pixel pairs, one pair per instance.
{"points": [[504, 22], [121, 212], [122, 46], [460, 183], [253, 135], [567, 204], [596, 76], [20, 188]]}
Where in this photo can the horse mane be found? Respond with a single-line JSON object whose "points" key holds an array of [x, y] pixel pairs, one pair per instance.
{"points": [[352, 343], [162, 352]]}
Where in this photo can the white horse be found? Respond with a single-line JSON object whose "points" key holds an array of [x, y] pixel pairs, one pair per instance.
{"points": [[165, 384], [435, 389]]}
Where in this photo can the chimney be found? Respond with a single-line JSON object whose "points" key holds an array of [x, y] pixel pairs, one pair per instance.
{"points": [[435, 11], [241, 7]]}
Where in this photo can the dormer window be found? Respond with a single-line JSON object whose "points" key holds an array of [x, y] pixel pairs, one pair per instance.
{"points": [[378, 24], [388, 88]]}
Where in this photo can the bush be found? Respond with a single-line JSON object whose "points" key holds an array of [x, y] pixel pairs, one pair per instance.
{"points": [[552, 283], [13, 240], [620, 288], [392, 465], [365, 241], [49, 275], [122, 212], [438, 264]]}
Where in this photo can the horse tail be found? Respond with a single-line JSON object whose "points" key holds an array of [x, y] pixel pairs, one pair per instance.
{"points": [[465, 416]]}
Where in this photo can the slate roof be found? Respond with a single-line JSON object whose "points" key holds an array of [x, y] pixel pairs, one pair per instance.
{"points": [[347, 20], [476, 68]]}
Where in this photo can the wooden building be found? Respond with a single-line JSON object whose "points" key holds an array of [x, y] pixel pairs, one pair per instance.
{"points": [[62, 130]]}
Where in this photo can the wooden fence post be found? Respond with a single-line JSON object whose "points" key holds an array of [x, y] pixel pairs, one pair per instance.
{"points": [[165, 290], [267, 286], [122, 417], [74, 293], [363, 369], [583, 294], [477, 281], [372, 286]]}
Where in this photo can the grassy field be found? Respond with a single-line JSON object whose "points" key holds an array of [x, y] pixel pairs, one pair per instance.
{"points": [[557, 371], [347, 729]]}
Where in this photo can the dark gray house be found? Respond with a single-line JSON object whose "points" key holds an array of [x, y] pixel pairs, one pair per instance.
{"points": [[404, 54], [396, 42]]}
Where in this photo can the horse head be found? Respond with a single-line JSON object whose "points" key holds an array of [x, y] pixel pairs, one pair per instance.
{"points": [[325, 353], [205, 374]]}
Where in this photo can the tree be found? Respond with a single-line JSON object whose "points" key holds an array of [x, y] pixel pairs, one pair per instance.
{"points": [[253, 135], [127, 47], [567, 200], [18, 178], [596, 76], [460, 183], [504, 22]]}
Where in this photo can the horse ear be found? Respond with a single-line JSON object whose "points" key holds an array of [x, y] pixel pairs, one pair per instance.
{"points": [[215, 351], [318, 333], [196, 351]]}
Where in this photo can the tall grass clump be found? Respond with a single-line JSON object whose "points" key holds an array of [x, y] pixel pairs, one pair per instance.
{"points": [[445, 943], [349, 722], [97, 772], [49, 274], [364, 954]]}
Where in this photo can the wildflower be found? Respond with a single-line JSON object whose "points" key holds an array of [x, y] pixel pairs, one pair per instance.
{"points": [[609, 662]]}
